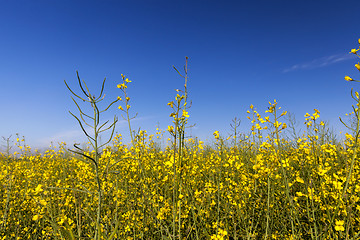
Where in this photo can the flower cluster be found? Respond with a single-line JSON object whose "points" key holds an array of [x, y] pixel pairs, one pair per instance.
{"points": [[232, 189], [357, 65]]}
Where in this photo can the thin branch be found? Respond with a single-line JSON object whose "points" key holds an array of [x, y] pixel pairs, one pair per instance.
{"points": [[97, 114], [178, 71], [102, 89], [111, 136], [91, 143], [346, 125], [355, 112], [81, 110], [89, 94], [134, 116], [82, 154], [109, 106], [75, 145], [113, 124], [75, 93], [98, 130], [77, 73], [85, 121], [352, 94], [82, 126]]}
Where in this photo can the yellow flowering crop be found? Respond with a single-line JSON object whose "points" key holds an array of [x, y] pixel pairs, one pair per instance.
{"points": [[262, 184]]}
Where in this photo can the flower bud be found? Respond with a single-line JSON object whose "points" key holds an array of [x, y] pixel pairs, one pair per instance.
{"points": [[357, 66], [354, 51], [347, 78]]}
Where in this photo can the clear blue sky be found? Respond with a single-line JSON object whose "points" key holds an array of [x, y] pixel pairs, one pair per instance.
{"points": [[240, 53]]}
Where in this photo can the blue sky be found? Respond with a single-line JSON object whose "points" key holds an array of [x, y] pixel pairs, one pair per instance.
{"points": [[240, 53]]}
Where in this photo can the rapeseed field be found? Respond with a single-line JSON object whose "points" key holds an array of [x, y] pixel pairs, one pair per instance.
{"points": [[266, 184]]}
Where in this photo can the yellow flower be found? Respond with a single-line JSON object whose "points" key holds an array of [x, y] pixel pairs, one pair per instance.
{"points": [[171, 104], [300, 194], [216, 134], [170, 129], [38, 189], [121, 86], [185, 114], [357, 66], [119, 98], [347, 78], [339, 225], [35, 218], [299, 179], [337, 184], [354, 51], [62, 220], [120, 107]]}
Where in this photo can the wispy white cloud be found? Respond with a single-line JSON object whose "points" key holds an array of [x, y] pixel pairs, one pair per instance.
{"points": [[320, 62]]}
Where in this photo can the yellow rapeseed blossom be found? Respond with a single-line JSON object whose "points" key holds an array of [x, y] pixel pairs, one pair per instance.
{"points": [[39, 189], [170, 129], [185, 114], [162, 186], [171, 104], [354, 51], [339, 225], [347, 78], [357, 66]]}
